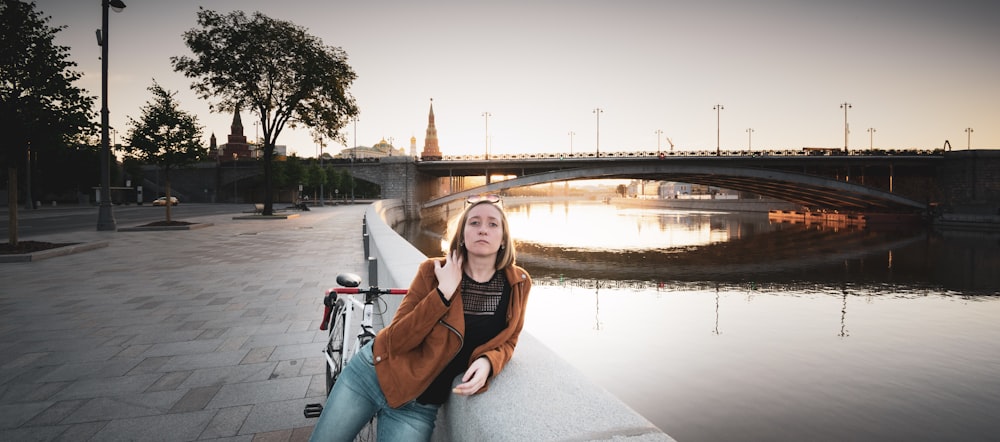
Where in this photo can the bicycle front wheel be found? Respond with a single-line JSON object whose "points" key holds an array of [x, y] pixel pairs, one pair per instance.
{"points": [[335, 346]]}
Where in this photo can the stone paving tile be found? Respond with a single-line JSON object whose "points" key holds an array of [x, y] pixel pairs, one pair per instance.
{"points": [[259, 354], [227, 422], [188, 347], [277, 415], [12, 416], [31, 392], [169, 381], [173, 344], [204, 360], [39, 434], [229, 375], [89, 370], [125, 406], [195, 399], [79, 432], [166, 427], [259, 392], [106, 386], [56, 413]]}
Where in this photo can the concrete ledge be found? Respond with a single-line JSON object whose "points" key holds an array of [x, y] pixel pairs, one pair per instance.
{"points": [[162, 228], [268, 217], [52, 253], [538, 396]]}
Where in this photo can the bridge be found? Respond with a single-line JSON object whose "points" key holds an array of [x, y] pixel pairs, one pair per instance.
{"points": [[901, 181], [879, 181]]}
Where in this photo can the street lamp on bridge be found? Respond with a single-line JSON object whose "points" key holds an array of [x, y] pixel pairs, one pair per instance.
{"points": [[571, 133], [750, 139], [598, 112], [871, 138], [968, 138], [845, 106], [718, 108], [105, 213], [658, 133], [487, 115]]}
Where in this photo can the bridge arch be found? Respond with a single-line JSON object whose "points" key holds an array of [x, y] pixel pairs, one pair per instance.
{"points": [[809, 191]]}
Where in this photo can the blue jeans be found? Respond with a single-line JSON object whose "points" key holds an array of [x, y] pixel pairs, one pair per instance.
{"points": [[357, 396]]}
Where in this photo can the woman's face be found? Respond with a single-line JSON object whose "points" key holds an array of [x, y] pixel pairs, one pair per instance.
{"points": [[483, 230]]}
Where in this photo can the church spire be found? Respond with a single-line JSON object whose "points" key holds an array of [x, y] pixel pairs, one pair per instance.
{"points": [[237, 126], [431, 150]]}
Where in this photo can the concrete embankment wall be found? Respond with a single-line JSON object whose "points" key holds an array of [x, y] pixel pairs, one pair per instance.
{"points": [[537, 397]]}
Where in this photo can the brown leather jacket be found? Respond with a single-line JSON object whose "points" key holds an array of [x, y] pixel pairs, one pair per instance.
{"points": [[425, 334]]}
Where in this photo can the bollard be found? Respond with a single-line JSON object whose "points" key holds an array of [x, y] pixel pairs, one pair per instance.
{"points": [[364, 235], [372, 271]]}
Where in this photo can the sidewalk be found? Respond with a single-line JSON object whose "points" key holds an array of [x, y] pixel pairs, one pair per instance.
{"points": [[207, 334]]}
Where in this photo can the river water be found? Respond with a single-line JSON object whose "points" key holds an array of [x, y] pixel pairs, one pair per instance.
{"points": [[724, 326]]}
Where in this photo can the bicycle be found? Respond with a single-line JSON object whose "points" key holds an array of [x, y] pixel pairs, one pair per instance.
{"points": [[338, 312]]}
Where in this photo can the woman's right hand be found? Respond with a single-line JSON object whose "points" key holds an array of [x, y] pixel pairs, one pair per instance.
{"points": [[449, 274]]}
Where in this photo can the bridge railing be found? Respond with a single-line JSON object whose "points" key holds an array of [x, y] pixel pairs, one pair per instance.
{"points": [[693, 153]]}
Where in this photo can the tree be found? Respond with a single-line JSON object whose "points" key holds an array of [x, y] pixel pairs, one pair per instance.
{"points": [[275, 68], [40, 108], [165, 136]]}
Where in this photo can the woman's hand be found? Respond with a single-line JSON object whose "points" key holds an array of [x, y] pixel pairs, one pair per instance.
{"points": [[474, 378], [449, 275]]}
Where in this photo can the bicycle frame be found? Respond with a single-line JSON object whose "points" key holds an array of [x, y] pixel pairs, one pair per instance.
{"points": [[366, 334]]}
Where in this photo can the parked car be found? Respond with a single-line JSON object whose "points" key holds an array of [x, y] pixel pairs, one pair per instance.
{"points": [[162, 201]]}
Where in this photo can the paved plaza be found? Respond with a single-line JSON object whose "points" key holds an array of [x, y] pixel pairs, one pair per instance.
{"points": [[204, 334]]}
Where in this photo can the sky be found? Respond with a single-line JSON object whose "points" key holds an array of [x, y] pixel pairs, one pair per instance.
{"points": [[918, 72]]}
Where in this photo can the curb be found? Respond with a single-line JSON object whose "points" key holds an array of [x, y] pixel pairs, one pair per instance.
{"points": [[163, 228], [52, 253], [268, 217]]}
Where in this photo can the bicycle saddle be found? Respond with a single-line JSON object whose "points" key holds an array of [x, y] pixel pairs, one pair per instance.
{"points": [[348, 280]]}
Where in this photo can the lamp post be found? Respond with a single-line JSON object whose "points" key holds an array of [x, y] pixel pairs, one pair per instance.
{"points": [[571, 133], [355, 157], [236, 179], [845, 106], [718, 108], [658, 133], [750, 139], [598, 111], [487, 116], [968, 138], [322, 196], [105, 213], [871, 138]]}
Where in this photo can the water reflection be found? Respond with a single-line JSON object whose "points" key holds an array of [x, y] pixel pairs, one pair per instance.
{"points": [[581, 240]]}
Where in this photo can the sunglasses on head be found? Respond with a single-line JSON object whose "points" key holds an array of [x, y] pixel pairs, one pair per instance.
{"points": [[479, 198]]}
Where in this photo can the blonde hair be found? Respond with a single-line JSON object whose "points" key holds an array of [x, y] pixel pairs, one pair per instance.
{"points": [[506, 256]]}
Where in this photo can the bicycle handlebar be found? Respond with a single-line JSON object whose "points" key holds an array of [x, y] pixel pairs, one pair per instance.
{"points": [[357, 290], [330, 297]]}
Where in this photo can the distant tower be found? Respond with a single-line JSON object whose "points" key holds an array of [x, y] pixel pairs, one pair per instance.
{"points": [[237, 141], [431, 150], [213, 145], [236, 129], [413, 147]]}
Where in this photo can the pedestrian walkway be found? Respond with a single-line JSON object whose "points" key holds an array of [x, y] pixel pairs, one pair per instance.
{"points": [[207, 334]]}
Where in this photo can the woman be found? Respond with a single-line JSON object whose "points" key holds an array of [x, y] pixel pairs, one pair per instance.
{"points": [[462, 316]]}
